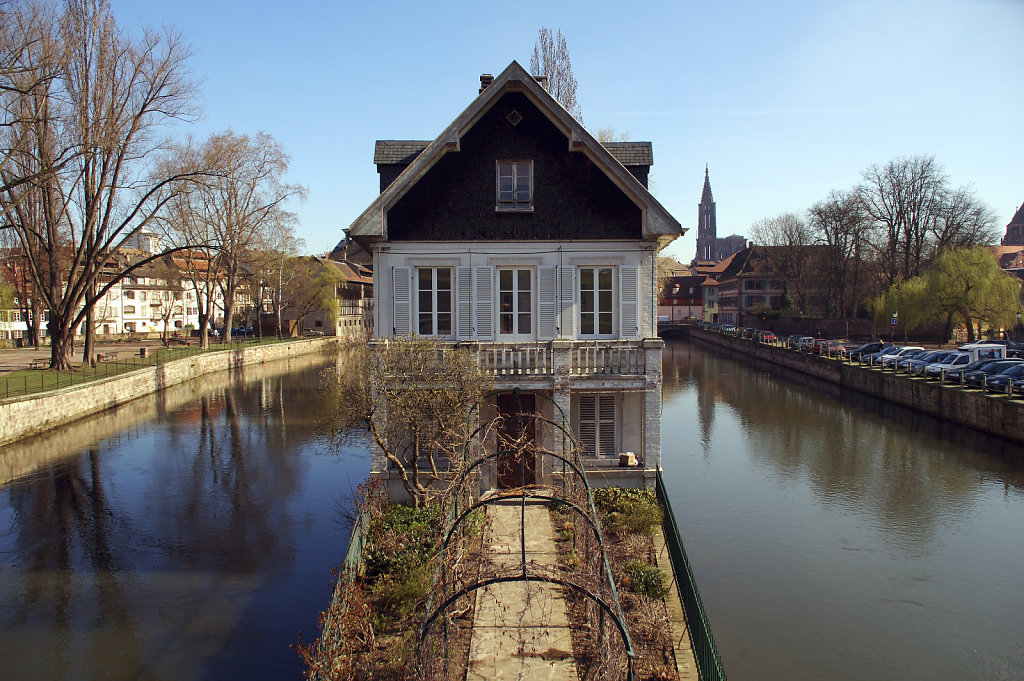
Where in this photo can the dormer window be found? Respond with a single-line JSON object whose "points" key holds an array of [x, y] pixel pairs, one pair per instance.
{"points": [[515, 185]]}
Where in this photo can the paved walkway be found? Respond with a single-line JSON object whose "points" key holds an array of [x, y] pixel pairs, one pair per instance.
{"points": [[16, 359], [520, 631]]}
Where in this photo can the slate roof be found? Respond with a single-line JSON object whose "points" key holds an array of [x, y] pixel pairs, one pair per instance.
{"points": [[386, 152], [404, 152], [658, 223], [631, 153]]}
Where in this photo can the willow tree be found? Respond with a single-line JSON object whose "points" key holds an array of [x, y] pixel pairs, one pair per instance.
{"points": [[966, 285], [413, 398]]}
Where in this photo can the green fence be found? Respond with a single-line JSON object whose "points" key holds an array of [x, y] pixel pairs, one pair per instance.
{"points": [[709, 663], [113, 363]]}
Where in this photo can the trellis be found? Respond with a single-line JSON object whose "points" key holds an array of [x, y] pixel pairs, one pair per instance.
{"points": [[561, 482]]}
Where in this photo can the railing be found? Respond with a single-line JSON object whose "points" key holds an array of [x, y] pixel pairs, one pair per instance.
{"points": [[581, 358], [705, 652], [608, 357], [516, 359]]}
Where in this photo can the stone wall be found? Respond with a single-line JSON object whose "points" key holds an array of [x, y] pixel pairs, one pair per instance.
{"points": [[22, 417], [994, 414]]}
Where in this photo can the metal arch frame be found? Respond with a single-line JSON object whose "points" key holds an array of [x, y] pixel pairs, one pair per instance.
{"points": [[619, 624]]}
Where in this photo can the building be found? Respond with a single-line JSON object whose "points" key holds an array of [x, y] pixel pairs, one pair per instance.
{"points": [[681, 298], [1015, 229], [516, 233], [710, 248], [352, 314]]}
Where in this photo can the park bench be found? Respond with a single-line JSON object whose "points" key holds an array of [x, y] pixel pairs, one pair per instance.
{"points": [[38, 364], [106, 356]]}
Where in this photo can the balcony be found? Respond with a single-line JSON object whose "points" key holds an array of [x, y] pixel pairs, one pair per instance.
{"points": [[576, 358]]}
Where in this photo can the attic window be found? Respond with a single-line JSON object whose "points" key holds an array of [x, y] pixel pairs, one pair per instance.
{"points": [[514, 117], [514, 186]]}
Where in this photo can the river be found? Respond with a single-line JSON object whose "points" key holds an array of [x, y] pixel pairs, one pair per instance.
{"points": [[192, 535], [835, 537]]}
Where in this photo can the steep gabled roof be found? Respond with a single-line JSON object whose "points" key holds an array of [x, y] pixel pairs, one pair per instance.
{"points": [[404, 152], [371, 226]]}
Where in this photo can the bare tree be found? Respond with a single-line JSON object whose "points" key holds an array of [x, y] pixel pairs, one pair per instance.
{"points": [[267, 275], [108, 101], [413, 398], [551, 58], [788, 239], [241, 201], [839, 223]]}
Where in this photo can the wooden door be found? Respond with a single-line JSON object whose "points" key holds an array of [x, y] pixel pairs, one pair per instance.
{"points": [[517, 460]]}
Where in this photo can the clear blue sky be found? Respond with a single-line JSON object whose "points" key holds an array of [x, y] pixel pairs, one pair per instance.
{"points": [[784, 100]]}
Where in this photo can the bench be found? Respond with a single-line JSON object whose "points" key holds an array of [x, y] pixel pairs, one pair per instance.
{"points": [[106, 356], [38, 364], [179, 341]]}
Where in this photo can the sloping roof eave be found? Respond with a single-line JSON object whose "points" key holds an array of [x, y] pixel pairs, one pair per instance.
{"points": [[658, 222]]}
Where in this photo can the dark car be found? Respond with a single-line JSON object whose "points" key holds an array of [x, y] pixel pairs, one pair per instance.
{"points": [[999, 382], [861, 351], [978, 376], [917, 365]]}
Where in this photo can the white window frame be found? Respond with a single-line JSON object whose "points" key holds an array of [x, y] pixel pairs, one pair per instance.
{"points": [[515, 311], [612, 310], [436, 295], [505, 202], [598, 424]]}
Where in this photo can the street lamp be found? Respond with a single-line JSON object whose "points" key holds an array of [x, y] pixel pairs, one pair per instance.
{"points": [[1016, 329], [895, 317]]}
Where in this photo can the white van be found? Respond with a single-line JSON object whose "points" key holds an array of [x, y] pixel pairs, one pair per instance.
{"points": [[984, 350]]}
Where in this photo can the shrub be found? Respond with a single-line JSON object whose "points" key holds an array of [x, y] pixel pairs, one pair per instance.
{"points": [[646, 580], [632, 510]]}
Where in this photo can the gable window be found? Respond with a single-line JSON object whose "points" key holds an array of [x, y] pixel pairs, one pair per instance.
{"points": [[597, 424], [596, 295], [515, 185], [515, 302], [434, 301]]}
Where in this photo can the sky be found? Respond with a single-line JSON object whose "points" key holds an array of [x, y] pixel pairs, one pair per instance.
{"points": [[784, 101]]}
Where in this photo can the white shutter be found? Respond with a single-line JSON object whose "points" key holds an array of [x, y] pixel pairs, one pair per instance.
{"points": [[463, 303], [606, 425], [629, 293], [401, 287], [566, 302], [588, 424], [546, 302], [484, 289]]}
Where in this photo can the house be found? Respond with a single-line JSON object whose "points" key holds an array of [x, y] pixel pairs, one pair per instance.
{"points": [[350, 312], [517, 234], [681, 298]]}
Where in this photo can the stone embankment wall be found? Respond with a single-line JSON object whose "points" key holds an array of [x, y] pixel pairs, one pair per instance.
{"points": [[23, 417], [994, 414]]}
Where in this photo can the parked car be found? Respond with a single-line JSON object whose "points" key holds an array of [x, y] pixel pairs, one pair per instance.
{"points": [[830, 348], [876, 358], [999, 382], [917, 365], [768, 337], [861, 351], [890, 359], [979, 377], [951, 361]]}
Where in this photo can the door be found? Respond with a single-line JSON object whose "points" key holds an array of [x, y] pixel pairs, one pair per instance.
{"points": [[517, 459]]}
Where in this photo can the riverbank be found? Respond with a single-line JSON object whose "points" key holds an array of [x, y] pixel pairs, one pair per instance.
{"points": [[39, 413], [996, 415]]}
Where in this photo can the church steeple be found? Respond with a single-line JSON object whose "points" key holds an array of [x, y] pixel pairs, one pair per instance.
{"points": [[705, 196], [707, 225]]}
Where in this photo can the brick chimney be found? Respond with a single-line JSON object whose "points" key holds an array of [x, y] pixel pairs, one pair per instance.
{"points": [[485, 80]]}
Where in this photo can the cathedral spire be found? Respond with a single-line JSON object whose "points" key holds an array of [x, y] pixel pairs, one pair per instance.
{"points": [[705, 196]]}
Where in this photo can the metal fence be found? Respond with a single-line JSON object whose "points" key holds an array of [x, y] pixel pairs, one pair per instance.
{"points": [[709, 662]]}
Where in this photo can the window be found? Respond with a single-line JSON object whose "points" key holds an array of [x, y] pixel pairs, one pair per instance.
{"points": [[596, 301], [130, 295], [515, 302], [597, 425], [129, 309], [142, 295], [434, 298], [15, 315], [515, 185]]}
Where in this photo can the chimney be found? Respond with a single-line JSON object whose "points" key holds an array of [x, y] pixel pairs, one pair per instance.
{"points": [[543, 80], [485, 80]]}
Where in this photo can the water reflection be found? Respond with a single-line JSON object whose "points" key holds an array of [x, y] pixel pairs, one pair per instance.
{"points": [[191, 546], [823, 525]]}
